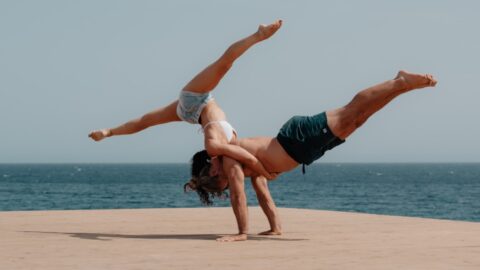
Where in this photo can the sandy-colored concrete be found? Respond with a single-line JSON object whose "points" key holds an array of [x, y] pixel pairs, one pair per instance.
{"points": [[184, 239]]}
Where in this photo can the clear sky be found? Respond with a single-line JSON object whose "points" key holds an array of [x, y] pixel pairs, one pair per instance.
{"points": [[67, 67]]}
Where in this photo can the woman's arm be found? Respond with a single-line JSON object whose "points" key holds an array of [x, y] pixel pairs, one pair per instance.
{"points": [[214, 148], [155, 117], [267, 204]]}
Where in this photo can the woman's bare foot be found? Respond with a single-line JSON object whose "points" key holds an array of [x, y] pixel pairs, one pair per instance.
{"points": [[271, 232], [415, 81], [233, 238], [266, 31], [99, 135]]}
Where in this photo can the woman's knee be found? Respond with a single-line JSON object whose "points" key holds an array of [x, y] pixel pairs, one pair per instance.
{"points": [[223, 65]]}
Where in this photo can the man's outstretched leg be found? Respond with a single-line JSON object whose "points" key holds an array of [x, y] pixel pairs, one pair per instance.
{"points": [[207, 79], [345, 120]]}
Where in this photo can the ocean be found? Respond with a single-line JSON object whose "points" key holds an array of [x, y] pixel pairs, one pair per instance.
{"points": [[443, 191]]}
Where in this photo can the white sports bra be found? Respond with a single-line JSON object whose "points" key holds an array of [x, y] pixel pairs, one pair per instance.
{"points": [[227, 128]]}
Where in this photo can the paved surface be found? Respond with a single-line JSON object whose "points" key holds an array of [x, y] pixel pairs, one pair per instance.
{"points": [[185, 239]]}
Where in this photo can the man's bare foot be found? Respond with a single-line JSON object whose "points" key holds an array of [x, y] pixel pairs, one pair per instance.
{"points": [[415, 81], [271, 232], [266, 31], [233, 238]]}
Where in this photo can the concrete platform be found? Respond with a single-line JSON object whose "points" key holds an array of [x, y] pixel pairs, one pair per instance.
{"points": [[184, 239]]}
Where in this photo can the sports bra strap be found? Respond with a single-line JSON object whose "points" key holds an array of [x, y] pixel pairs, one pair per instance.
{"points": [[228, 130]]}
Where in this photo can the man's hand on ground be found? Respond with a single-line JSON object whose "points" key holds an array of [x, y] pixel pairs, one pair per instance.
{"points": [[233, 238]]}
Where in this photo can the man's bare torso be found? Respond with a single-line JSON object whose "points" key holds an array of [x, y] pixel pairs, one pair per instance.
{"points": [[270, 153]]}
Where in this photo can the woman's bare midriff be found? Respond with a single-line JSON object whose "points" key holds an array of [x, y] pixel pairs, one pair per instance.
{"points": [[212, 112]]}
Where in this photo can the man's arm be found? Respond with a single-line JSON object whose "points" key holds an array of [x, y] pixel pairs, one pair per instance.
{"points": [[233, 169], [267, 204]]}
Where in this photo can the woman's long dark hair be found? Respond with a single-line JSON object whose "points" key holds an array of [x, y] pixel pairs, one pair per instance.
{"points": [[200, 160], [205, 185]]}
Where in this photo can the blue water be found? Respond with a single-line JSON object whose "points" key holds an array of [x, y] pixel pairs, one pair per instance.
{"points": [[445, 191]]}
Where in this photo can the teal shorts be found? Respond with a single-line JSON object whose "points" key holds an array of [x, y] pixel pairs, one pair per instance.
{"points": [[307, 138]]}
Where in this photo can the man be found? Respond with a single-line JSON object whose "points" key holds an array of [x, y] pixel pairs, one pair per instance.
{"points": [[302, 140]]}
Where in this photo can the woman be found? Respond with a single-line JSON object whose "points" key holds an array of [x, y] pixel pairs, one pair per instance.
{"points": [[195, 105]]}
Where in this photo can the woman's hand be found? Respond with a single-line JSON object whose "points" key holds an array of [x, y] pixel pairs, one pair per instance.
{"points": [[99, 135]]}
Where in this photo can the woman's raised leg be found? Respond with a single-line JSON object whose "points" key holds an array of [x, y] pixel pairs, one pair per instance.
{"points": [[345, 120], [207, 79], [156, 117], [203, 82]]}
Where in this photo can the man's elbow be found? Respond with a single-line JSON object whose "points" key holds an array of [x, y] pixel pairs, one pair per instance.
{"points": [[235, 173], [238, 197], [236, 178]]}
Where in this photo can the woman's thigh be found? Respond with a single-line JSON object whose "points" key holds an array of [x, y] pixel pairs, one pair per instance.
{"points": [[208, 79]]}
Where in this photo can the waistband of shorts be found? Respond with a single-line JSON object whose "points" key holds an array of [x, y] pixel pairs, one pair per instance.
{"points": [[194, 94], [285, 145]]}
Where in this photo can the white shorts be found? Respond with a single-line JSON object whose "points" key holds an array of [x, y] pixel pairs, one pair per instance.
{"points": [[191, 104]]}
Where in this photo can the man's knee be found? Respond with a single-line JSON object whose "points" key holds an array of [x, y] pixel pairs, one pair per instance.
{"points": [[347, 122]]}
